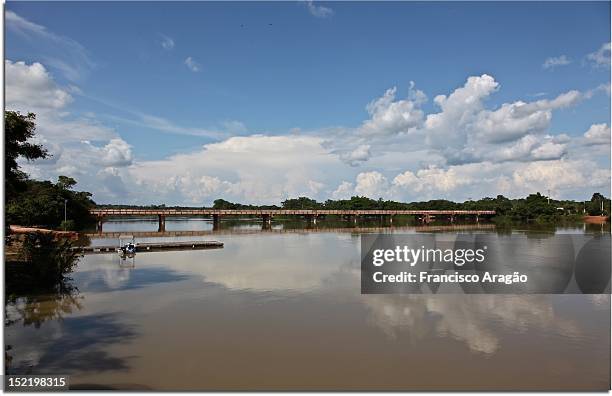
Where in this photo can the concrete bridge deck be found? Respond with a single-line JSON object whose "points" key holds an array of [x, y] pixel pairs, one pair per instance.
{"points": [[425, 216]]}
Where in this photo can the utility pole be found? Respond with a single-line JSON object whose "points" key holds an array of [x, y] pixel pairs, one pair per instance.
{"points": [[65, 213]]}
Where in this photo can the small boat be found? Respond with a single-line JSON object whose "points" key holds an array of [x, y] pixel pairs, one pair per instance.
{"points": [[127, 245]]}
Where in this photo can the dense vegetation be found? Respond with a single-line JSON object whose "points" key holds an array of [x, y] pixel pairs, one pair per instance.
{"points": [[32, 202]]}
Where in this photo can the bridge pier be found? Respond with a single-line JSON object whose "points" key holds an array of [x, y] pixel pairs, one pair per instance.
{"points": [[425, 218], [267, 221], [311, 219], [216, 222], [161, 223]]}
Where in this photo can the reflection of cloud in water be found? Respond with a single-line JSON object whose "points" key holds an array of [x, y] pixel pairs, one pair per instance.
{"points": [[103, 273], [300, 263], [474, 319]]}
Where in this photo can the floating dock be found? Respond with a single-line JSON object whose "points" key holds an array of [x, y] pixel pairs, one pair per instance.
{"points": [[154, 246]]}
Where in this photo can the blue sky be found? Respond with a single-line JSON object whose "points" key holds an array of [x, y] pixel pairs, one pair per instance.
{"points": [[170, 79]]}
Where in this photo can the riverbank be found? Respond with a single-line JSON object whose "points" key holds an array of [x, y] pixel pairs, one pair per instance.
{"points": [[596, 219]]}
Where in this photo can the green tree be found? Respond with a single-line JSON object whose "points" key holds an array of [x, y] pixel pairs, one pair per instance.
{"points": [[66, 183], [223, 204], [18, 131], [301, 203], [598, 206], [42, 204]]}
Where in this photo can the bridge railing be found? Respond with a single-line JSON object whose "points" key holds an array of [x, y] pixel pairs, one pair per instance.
{"points": [[278, 212]]}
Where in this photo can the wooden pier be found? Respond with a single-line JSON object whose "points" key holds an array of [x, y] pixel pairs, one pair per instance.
{"points": [[154, 246]]}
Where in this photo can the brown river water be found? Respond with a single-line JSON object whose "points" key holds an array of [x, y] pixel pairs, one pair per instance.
{"points": [[276, 310]]}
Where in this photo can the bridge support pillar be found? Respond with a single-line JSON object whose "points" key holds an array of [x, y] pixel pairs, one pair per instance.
{"points": [[161, 223], [426, 218], [477, 218], [391, 219], [452, 218], [267, 221], [311, 219], [216, 222]]}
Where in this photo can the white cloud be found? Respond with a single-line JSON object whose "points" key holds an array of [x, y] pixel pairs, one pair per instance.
{"points": [[164, 125], [598, 134], [601, 57], [559, 175], [371, 184], [192, 64], [31, 86], [431, 179], [357, 156], [117, 153], [555, 61], [388, 116], [549, 150], [319, 11], [256, 168], [458, 110], [167, 43], [61, 53], [344, 191], [515, 120]]}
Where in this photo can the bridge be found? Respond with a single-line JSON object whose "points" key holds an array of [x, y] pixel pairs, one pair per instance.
{"points": [[425, 216]]}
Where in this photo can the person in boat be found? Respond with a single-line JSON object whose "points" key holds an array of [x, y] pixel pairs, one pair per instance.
{"points": [[128, 248]]}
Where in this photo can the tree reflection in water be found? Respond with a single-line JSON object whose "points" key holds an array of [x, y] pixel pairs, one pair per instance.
{"points": [[38, 285]]}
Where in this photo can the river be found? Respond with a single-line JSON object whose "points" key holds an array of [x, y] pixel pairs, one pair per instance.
{"points": [[281, 309]]}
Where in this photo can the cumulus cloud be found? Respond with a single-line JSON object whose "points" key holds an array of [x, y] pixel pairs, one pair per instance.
{"points": [[457, 111], [116, 153], [344, 191], [192, 64], [31, 86], [388, 116], [598, 134], [559, 175], [257, 168], [371, 184], [431, 179], [319, 11], [552, 62], [515, 120], [601, 57]]}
